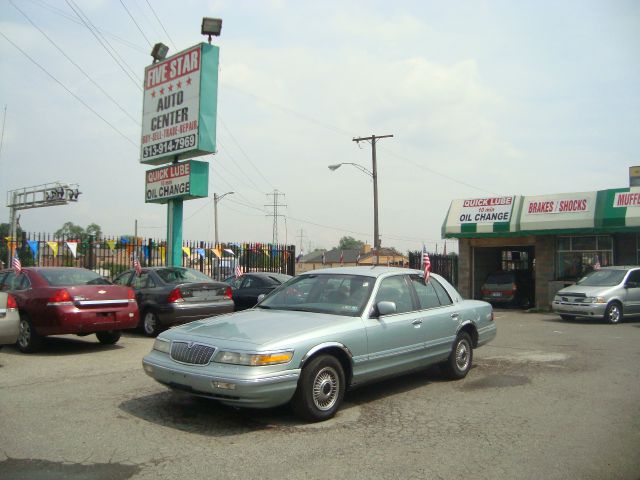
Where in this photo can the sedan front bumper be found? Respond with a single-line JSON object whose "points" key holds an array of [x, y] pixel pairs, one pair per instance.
{"points": [[262, 390]]}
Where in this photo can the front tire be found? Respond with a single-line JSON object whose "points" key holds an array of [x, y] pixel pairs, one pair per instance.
{"points": [[28, 339], [459, 362], [150, 324], [320, 389], [613, 313], [108, 338]]}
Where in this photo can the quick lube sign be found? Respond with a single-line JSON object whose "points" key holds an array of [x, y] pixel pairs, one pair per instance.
{"points": [[179, 106], [184, 180]]}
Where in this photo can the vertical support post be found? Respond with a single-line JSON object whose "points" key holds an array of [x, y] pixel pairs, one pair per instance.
{"points": [[374, 171], [174, 232]]}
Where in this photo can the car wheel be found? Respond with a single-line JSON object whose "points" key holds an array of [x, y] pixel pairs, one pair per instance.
{"points": [[320, 389], [150, 324], [108, 338], [459, 362], [568, 317], [28, 339], [613, 313]]}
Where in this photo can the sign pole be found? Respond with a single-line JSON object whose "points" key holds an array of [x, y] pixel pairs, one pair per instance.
{"points": [[174, 232]]}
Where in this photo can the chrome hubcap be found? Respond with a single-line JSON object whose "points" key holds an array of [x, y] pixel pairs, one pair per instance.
{"points": [[614, 315], [462, 355], [24, 333], [325, 388]]}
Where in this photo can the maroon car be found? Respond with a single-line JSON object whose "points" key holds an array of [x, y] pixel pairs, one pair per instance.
{"points": [[68, 300]]}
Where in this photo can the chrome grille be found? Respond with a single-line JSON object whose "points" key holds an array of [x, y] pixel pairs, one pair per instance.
{"points": [[191, 353]]}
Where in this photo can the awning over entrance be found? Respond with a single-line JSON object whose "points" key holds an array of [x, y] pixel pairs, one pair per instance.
{"points": [[603, 211]]}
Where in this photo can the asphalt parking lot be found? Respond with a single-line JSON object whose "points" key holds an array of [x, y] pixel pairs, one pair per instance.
{"points": [[546, 399]]}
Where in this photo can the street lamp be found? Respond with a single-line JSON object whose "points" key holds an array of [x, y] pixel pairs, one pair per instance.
{"points": [[211, 26], [374, 175], [159, 52], [216, 199]]}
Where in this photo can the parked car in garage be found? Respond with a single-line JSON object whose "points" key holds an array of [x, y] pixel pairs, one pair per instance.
{"points": [[508, 288], [249, 286], [609, 293], [68, 300], [173, 295], [322, 332], [9, 319]]}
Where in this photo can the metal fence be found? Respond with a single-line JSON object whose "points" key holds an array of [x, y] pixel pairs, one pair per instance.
{"points": [[445, 265], [110, 256]]}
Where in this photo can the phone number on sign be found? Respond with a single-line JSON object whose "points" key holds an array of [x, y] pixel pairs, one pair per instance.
{"points": [[169, 146]]}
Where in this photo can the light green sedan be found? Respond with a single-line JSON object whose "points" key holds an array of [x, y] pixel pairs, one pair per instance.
{"points": [[320, 333]]}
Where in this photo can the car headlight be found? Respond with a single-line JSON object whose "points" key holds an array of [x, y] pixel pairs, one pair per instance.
{"points": [[253, 359], [595, 300], [162, 345]]}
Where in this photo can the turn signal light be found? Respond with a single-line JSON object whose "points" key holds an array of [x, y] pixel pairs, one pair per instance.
{"points": [[175, 296], [11, 302]]}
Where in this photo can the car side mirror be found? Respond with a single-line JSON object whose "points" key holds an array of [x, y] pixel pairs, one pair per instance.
{"points": [[260, 297], [386, 308]]}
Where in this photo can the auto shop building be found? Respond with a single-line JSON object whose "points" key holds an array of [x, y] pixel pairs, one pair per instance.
{"points": [[552, 239]]}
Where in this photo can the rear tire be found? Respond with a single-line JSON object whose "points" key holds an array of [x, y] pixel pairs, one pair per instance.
{"points": [[459, 362], [568, 317], [108, 338], [28, 339], [613, 313], [150, 324], [320, 389]]}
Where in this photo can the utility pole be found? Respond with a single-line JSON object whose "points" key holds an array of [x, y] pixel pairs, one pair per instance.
{"points": [[374, 170], [301, 236], [275, 205]]}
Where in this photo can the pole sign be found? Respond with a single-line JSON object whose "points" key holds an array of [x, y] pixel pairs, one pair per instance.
{"points": [[179, 106], [185, 180]]}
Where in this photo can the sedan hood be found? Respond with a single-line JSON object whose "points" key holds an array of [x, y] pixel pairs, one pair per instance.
{"points": [[259, 327]]}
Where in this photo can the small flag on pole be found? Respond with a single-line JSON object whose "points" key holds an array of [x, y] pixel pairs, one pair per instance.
{"points": [[596, 264], [341, 257], [238, 270], [426, 264], [323, 258], [358, 259], [16, 264]]}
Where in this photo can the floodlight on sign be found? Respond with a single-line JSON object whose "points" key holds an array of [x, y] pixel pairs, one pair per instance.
{"points": [[211, 26], [159, 52]]}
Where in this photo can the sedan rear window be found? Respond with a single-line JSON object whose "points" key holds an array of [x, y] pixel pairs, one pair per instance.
{"points": [[182, 275], [59, 277]]}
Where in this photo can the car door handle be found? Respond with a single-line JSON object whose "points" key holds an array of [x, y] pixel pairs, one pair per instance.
{"points": [[417, 322], [455, 316]]}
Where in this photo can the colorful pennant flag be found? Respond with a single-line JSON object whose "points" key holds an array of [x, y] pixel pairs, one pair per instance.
{"points": [[111, 244], [33, 245], [187, 251], [54, 247], [73, 246]]}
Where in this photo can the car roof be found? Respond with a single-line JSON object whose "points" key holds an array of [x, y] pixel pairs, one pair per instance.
{"points": [[369, 271], [620, 267]]}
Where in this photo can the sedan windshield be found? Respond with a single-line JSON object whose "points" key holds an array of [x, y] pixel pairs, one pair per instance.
{"points": [[325, 293], [182, 275], [602, 278], [59, 277]]}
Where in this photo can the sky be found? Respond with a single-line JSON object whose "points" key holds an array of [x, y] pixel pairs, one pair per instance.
{"points": [[482, 98]]}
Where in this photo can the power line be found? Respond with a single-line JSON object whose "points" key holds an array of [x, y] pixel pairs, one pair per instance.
{"points": [[69, 91], [136, 23], [87, 76], [163, 29], [113, 52]]}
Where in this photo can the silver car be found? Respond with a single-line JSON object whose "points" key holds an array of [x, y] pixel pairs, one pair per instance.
{"points": [[320, 333], [9, 319], [608, 293]]}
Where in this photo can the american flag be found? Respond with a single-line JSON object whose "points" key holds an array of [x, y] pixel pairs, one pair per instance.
{"points": [[16, 264], [136, 265], [596, 264], [238, 270], [358, 259], [341, 257], [426, 264], [323, 259]]}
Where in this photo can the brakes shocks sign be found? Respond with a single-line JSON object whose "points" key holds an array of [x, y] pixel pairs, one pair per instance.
{"points": [[180, 105], [185, 180]]}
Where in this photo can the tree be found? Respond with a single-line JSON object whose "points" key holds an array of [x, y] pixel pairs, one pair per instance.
{"points": [[350, 243], [95, 230], [72, 231]]}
